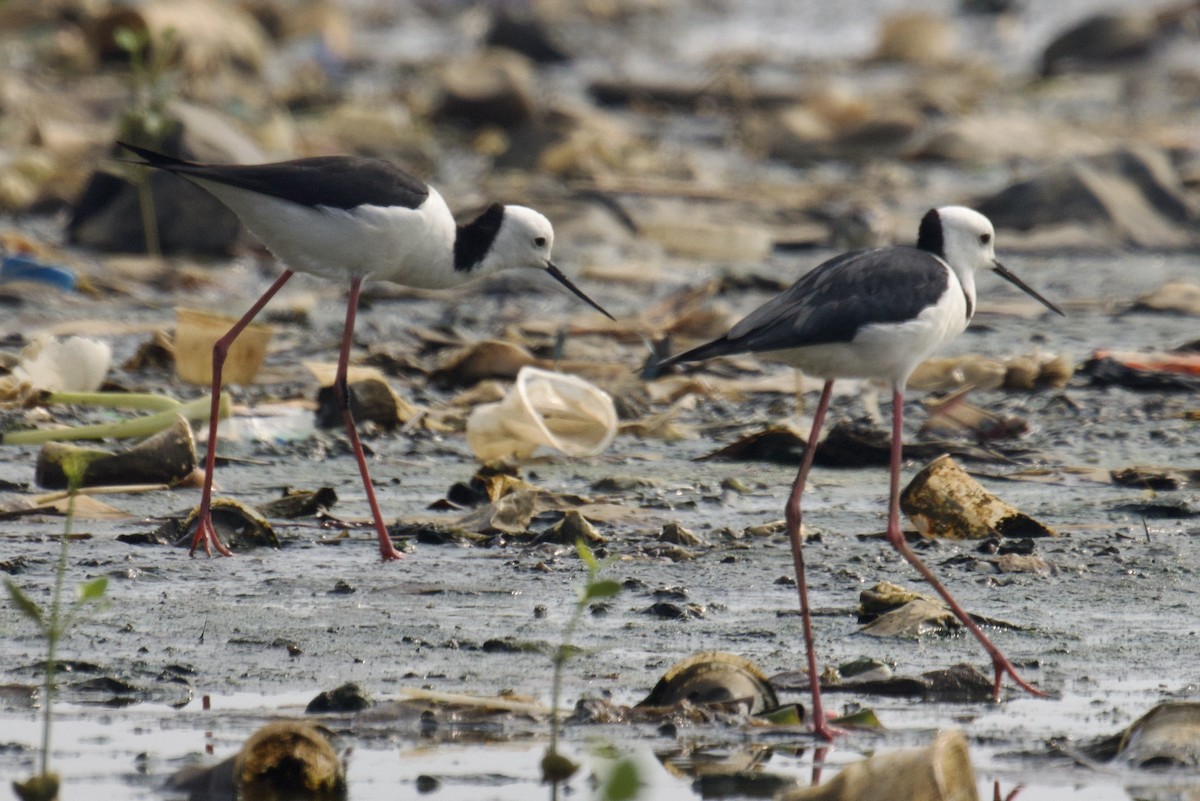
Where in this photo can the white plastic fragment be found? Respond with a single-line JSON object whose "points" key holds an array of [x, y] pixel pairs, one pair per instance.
{"points": [[75, 364]]}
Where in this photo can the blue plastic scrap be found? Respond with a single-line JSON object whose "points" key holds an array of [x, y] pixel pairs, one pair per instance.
{"points": [[23, 268]]}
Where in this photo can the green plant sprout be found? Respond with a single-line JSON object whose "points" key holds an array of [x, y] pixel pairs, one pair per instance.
{"points": [[148, 121], [53, 625], [556, 767]]}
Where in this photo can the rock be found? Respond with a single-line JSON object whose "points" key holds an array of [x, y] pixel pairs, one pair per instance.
{"points": [[525, 35], [943, 501], [961, 683], [1177, 297], [1128, 197], [107, 217], [494, 88], [284, 759], [1021, 563], [202, 38], [371, 399], [571, 528], [1103, 39], [834, 126], [239, 526], [714, 677], [920, 38], [348, 697], [675, 534], [168, 457], [1168, 736], [711, 240], [885, 596], [913, 619], [107, 214]]}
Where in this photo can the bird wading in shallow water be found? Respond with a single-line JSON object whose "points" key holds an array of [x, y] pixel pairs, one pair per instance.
{"points": [[874, 314], [352, 218]]}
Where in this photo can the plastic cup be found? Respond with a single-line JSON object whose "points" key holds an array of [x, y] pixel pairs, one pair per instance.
{"points": [[543, 409], [941, 771], [195, 334]]}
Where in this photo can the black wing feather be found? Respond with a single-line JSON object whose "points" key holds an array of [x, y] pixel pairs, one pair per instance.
{"points": [[834, 301], [340, 182]]}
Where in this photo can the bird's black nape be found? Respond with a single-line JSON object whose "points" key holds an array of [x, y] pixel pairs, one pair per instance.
{"points": [[473, 240], [929, 235]]}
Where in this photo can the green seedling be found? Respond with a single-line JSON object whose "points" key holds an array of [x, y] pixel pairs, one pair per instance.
{"points": [[622, 782], [148, 120], [556, 767], [53, 624]]}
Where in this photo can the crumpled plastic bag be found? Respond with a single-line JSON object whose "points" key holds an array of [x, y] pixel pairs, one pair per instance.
{"points": [[75, 364]]}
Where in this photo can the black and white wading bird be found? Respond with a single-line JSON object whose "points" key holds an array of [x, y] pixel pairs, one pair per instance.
{"points": [[352, 218], [874, 314]]}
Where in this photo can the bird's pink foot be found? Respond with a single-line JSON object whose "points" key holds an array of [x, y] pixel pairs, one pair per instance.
{"points": [[207, 535], [827, 732], [388, 552], [1001, 666]]}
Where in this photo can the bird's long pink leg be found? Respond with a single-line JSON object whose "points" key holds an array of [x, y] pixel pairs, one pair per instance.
{"points": [[895, 536], [793, 516], [205, 533], [341, 390]]}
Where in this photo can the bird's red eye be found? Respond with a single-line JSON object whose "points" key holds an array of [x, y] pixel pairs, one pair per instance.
{"points": [[540, 241]]}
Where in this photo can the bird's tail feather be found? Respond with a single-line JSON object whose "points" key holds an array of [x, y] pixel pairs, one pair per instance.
{"points": [[154, 158], [718, 347]]}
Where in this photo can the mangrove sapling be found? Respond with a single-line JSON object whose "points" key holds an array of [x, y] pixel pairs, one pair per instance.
{"points": [[148, 120], [555, 766], [623, 780], [53, 624]]}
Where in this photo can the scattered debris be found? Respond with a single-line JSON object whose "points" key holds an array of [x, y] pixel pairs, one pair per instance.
{"points": [[943, 501], [348, 697], [48, 364], [197, 331], [714, 677], [941, 771], [167, 457], [285, 759], [239, 526]]}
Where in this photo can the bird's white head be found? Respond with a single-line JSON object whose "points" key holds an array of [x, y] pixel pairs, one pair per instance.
{"points": [[961, 236], [525, 239], [965, 239]]}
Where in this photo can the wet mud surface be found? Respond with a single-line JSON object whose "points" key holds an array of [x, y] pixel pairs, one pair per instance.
{"points": [[190, 655], [1108, 629]]}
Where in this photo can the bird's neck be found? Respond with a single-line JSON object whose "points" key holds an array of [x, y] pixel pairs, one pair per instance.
{"points": [[473, 240], [966, 279]]}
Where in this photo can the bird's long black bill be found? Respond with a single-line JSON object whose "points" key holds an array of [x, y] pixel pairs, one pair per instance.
{"points": [[562, 279], [1003, 272]]}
